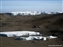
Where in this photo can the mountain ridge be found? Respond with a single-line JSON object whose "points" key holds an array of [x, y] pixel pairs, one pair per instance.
{"points": [[24, 13]]}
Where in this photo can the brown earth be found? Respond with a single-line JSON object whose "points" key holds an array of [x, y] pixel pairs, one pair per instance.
{"points": [[45, 24]]}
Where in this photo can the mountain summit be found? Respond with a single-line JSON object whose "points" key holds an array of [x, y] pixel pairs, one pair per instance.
{"points": [[26, 13]]}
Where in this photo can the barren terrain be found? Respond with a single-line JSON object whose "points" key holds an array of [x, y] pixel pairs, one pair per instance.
{"points": [[45, 24]]}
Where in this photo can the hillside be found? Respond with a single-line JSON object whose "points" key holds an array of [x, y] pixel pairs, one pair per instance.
{"points": [[45, 24], [39, 22]]}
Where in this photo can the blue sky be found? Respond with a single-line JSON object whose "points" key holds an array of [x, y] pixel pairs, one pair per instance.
{"points": [[31, 5]]}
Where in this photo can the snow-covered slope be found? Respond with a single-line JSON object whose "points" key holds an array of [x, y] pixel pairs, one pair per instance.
{"points": [[23, 13], [26, 13]]}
